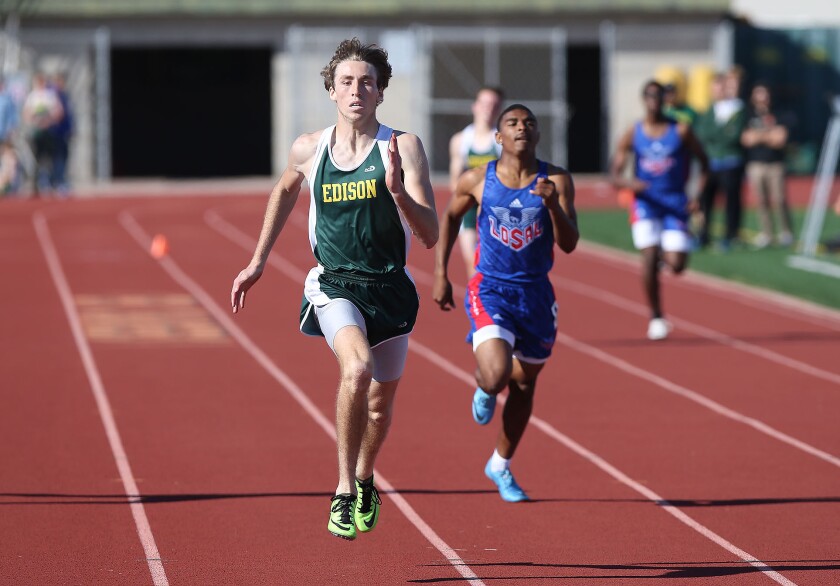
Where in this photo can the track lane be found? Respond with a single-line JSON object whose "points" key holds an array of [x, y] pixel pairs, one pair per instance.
{"points": [[446, 481], [677, 450], [103, 403], [298, 393], [65, 517], [211, 478], [514, 547], [751, 375], [776, 324]]}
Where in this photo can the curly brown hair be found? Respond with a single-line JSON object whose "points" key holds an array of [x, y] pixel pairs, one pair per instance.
{"points": [[354, 50]]}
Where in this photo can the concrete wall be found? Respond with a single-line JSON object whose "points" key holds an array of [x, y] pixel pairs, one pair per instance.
{"points": [[299, 101]]}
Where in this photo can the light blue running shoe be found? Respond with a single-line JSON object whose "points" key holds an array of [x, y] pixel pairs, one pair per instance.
{"points": [[483, 407], [508, 489]]}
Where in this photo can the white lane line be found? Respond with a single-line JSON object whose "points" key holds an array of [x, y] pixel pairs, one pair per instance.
{"points": [[696, 397], [620, 302], [297, 393], [225, 228], [144, 530], [422, 277], [771, 301], [611, 470], [427, 279]]}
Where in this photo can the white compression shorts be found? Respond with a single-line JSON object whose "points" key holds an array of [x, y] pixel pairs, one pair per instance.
{"points": [[388, 357]]}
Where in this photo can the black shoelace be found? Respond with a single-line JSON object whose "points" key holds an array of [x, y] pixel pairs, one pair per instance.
{"points": [[369, 495], [344, 503]]}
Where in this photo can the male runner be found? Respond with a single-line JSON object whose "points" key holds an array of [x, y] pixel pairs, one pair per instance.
{"points": [[660, 210], [525, 207], [370, 191]]}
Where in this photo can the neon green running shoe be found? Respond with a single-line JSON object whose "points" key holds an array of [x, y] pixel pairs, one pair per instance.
{"points": [[341, 516], [366, 512]]}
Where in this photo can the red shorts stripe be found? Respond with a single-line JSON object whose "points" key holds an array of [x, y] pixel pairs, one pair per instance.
{"points": [[479, 315]]}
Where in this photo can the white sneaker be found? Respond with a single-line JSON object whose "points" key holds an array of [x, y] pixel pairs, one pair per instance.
{"points": [[786, 239], [762, 240], [658, 329]]}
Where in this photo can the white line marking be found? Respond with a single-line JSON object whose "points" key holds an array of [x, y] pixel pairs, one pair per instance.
{"points": [[422, 276], [814, 265], [236, 235], [776, 303], [611, 470], [144, 530], [633, 307], [696, 397], [180, 277]]}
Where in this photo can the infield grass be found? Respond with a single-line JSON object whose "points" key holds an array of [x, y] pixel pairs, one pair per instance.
{"points": [[762, 268]]}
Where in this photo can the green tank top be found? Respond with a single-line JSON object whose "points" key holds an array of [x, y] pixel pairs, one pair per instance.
{"points": [[354, 224]]}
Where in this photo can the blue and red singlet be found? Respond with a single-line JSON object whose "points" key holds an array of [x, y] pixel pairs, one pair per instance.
{"points": [[663, 164], [516, 242], [510, 295]]}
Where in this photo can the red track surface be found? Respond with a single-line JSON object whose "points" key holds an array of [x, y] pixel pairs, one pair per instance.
{"points": [[677, 460]]}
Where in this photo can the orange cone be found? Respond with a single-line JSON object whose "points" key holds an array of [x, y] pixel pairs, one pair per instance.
{"points": [[159, 247], [626, 197]]}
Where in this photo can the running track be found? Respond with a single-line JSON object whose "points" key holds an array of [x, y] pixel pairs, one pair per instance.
{"points": [[149, 437]]}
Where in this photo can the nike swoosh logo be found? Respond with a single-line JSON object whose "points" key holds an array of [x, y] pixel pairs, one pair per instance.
{"points": [[371, 168], [368, 525], [342, 527], [402, 325]]}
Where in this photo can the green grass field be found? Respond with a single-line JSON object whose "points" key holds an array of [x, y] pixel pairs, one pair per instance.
{"points": [[763, 268]]}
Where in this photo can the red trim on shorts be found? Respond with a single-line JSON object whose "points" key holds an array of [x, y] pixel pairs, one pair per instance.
{"points": [[477, 312], [633, 214]]}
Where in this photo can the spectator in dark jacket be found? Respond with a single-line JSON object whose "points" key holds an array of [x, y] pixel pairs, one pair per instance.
{"points": [[719, 130], [62, 130]]}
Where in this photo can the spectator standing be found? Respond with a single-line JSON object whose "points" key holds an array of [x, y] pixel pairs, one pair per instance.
{"points": [[719, 130], [41, 111], [765, 138], [62, 131], [9, 120]]}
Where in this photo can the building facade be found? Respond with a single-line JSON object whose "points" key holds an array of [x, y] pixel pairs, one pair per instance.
{"points": [[197, 89]]}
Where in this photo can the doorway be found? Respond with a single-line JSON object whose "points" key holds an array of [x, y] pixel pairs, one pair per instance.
{"points": [[585, 113], [191, 112]]}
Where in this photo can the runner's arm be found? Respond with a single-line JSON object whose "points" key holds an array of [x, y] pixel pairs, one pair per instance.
{"points": [[412, 192], [558, 194], [465, 195], [280, 203], [619, 163]]}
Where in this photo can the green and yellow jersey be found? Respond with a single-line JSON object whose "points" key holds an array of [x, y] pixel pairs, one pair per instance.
{"points": [[354, 224]]}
